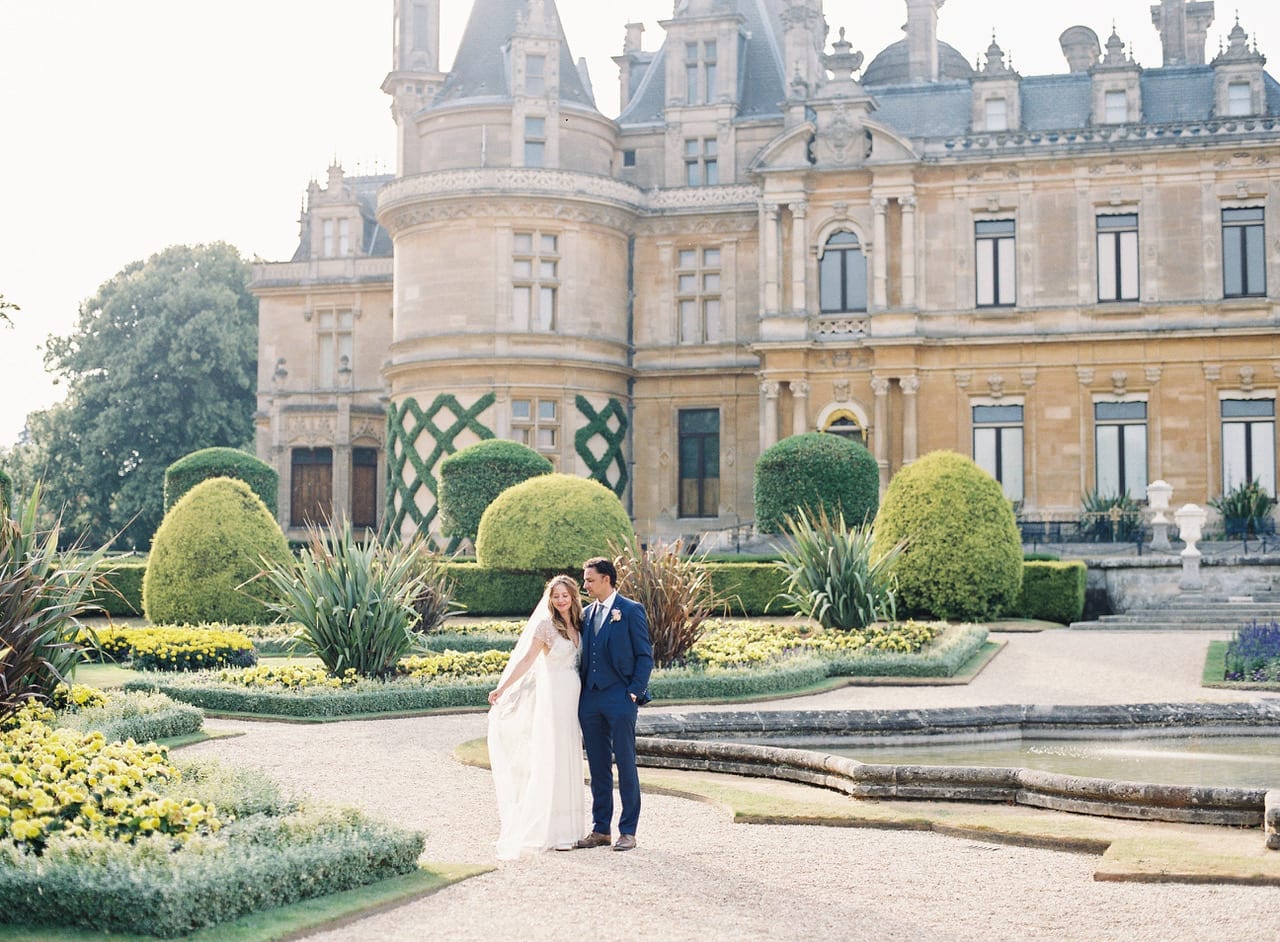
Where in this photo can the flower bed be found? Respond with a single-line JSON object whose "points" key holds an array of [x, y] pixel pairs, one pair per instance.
{"points": [[175, 647], [1253, 654], [116, 837], [738, 660]]}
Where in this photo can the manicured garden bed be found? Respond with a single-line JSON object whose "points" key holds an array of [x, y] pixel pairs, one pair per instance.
{"points": [[736, 661]]}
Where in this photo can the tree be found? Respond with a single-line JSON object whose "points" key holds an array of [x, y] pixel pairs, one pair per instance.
{"points": [[163, 361]]}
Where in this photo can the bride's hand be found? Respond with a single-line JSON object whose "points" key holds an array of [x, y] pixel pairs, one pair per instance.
{"points": [[493, 697]]}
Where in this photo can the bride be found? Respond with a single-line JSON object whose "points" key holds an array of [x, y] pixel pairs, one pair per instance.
{"points": [[535, 745]]}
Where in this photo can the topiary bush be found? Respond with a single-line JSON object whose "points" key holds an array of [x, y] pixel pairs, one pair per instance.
{"points": [[190, 470], [553, 521], [963, 555], [815, 472], [212, 541], [1052, 591], [471, 479]]}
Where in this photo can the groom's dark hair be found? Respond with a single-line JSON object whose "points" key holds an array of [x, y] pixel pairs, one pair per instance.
{"points": [[604, 567]]}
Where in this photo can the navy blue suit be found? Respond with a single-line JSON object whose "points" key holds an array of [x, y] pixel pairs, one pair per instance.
{"points": [[615, 664]]}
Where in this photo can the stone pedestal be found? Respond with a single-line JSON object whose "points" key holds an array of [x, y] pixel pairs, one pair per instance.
{"points": [[1190, 571], [1160, 537]]}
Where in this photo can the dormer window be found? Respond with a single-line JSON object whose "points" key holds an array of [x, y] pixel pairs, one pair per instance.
{"points": [[336, 238], [1239, 99], [535, 75], [535, 141], [997, 114], [700, 72], [1115, 107]]}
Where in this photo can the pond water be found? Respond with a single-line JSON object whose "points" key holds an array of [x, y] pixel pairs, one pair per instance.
{"points": [[1236, 761]]}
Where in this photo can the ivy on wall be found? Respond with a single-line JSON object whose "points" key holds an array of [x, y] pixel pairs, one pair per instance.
{"points": [[609, 428], [411, 462]]}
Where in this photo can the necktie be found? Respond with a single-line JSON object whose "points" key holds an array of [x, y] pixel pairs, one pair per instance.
{"points": [[598, 618]]}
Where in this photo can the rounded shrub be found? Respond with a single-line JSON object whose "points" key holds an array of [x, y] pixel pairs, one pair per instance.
{"points": [[212, 541], [190, 470], [472, 478], [963, 553], [553, 521], [815, 472]]}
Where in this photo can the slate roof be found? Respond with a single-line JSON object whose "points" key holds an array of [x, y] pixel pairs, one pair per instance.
{"points": [[889, 67], [1170, 95], [481, 68]]}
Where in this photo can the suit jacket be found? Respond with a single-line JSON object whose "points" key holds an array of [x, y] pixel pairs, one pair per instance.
{"points": [[627, 654]]}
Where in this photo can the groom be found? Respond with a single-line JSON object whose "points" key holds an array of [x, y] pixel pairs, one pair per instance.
{"points": [[616, 660]]}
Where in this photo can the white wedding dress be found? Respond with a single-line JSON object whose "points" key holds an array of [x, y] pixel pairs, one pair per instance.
{"points": [[535, 748]]}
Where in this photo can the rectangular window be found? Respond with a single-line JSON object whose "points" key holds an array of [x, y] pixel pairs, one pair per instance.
{"points": [[698, 295], [1118, 257], [364, 487], [344, 237], [997, 446], [327, 227], [997, 114], [536, 423], [1116, 105], [995, 261], [535, 266], [699, 447], [700, 73], [310, 486], [1120, 457], [628, 158], [1239, 99], [700, 162], [1244, 272], [1249, 444], [334, 363], [535, 141], [535, 75]]}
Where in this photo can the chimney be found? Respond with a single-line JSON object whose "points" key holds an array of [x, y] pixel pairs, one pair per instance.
{"points": [[1183, 29], [922, 40]]}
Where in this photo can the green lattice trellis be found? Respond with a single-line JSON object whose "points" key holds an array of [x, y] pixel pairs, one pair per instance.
{"points": [[405, 426], [609, 425]]}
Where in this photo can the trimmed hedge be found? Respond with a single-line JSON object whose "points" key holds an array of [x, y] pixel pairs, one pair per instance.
{"points": [[440, 641], [190, 470], [815, 470], [142, 717], [212, 542], [472, 479], [943, 658], [483, 591], [963, 555], [1052, 591], [125, 577], [552, 521], [691, 684], [749, 587]]}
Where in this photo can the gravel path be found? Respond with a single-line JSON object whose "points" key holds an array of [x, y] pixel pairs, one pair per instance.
{"points": [[696, 875]]}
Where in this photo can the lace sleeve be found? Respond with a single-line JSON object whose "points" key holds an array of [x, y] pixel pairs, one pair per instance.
{"points": [[545, 632]]}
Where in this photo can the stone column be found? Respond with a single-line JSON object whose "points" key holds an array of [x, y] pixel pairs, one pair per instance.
{"points": [[910, 419], [769, 429], [799, 406], [772, 270], [908, 204], [879, 261], [880, 386], [799, 257]]}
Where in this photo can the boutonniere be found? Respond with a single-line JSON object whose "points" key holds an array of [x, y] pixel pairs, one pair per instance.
{"points": [[617, 615]]}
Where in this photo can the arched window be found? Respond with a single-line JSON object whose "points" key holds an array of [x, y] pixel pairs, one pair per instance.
{"points": [[846, 425], [843, 275]]}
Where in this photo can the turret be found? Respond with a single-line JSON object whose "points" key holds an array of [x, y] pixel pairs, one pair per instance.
{"points": [[415, 74]]}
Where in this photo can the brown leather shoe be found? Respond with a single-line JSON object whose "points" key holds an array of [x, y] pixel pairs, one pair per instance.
{"points": [[625, 842], [596, 839]]}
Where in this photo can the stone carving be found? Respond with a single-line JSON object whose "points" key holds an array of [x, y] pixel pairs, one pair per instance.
{"points": [[1213, 372], [1246, 378], [1084, 374], [1028, 378], [1119, 382], [995, 385], [1153, 374], [910, 385], [840, 327], [841, 389], [963, 379]]}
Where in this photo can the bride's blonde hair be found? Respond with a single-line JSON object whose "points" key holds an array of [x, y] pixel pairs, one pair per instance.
{"points": [[575, 609]]}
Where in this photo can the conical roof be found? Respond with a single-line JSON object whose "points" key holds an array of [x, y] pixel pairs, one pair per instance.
{"points": [[482, 67]]}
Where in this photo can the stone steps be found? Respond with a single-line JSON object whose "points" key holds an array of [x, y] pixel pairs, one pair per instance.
{"points": [[1186, 614]]}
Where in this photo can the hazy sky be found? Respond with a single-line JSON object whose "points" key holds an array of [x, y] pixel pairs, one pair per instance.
{"points": [[132, 125]]}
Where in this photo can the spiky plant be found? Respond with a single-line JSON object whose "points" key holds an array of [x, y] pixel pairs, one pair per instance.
{"points": [[675, 590], [354, 601], [43, 593], [831, 576], [435, 601]]}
